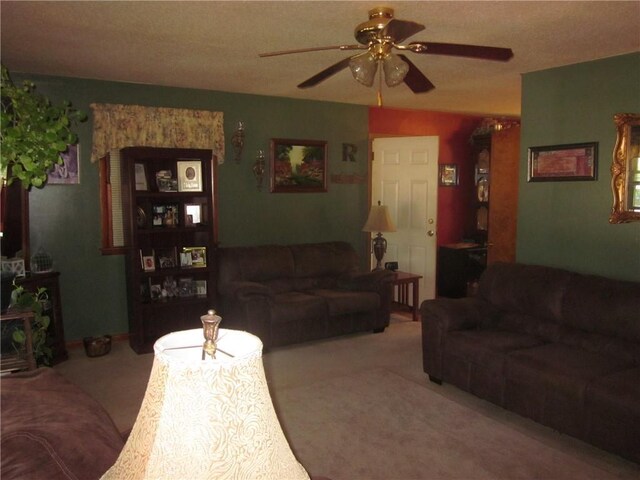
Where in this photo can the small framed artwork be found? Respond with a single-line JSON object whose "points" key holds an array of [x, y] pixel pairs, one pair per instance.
{"points": [[189, 176], [571, 162], [193, 257], [192, 214], [448, 175], [68, 171], [298, 166], [140, 177]]}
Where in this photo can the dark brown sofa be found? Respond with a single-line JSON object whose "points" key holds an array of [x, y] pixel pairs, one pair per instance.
{"points": [[558, 347], [287, 294], [53, 430]]}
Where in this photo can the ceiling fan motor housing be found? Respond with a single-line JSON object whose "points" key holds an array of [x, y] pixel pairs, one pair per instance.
{"points": [[369, 31]]}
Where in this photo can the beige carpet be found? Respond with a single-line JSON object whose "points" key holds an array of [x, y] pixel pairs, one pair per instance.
{"points": [[360, 407]]}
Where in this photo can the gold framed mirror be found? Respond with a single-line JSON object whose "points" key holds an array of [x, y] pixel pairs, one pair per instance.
{"points": [[625, 170]]}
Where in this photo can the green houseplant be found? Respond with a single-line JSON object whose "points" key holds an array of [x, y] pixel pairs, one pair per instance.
{"points": [[35, 301], [33, 132]]}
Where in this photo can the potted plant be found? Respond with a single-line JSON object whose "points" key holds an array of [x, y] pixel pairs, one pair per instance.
{"points": [[37, 302], [33, 133]]}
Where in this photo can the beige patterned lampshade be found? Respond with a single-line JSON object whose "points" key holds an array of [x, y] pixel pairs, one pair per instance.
{"points": [[207, 419]]}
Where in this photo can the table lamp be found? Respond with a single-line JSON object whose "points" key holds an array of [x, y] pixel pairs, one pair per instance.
{"points": [[379, 221], [207, 413]]}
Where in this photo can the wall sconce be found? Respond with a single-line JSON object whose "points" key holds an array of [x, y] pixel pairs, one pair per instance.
{"points": [[237, 140], [258, 169]]}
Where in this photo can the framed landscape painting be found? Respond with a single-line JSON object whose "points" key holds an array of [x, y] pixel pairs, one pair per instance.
{"points": [[298, 166]]}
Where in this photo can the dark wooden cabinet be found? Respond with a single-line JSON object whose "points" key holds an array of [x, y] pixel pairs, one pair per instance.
{"points": [[459, 266], [171, 239]]}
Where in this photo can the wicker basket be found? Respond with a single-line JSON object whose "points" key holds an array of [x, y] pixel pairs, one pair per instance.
{"points": [[97, 346]]}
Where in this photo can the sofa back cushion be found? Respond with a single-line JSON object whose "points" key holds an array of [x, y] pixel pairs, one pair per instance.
{"points": [[533, 290], [328, 259], [255, 264], [602, 305]]}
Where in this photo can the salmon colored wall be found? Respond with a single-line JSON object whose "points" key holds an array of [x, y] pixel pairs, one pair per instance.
{"points": [[455, 215]]}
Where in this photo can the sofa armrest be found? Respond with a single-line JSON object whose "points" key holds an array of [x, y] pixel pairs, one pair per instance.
{"points": [[444, 315], [244, 291]]}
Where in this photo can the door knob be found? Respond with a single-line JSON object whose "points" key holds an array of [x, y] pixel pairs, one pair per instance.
{"points": [[431, 233]]}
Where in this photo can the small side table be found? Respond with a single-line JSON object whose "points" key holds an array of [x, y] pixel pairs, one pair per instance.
{"points": [[401, 283], [14, 362]]}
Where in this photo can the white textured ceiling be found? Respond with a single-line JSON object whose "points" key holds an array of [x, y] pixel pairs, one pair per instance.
{"points": [[215, 44]]}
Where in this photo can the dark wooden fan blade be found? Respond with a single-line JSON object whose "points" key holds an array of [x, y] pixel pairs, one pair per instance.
{"points": [[313, 49], [326, 73], [415, 79], [400, 30], [458, 50]]}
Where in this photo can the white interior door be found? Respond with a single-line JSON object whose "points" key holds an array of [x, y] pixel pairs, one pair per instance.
{"points": [[405, 178]]}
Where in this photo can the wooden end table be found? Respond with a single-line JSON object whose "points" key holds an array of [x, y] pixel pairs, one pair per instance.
{"points": [[401, 283]]}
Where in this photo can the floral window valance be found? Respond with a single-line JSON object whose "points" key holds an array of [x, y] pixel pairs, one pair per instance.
{"points": [[120, 126]]}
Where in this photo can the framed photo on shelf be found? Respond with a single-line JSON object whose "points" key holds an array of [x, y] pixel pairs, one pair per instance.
{"points": [[141, 177], [185, 287], [193, 257], [298, 166], [200, 288], [155, 290], [167, 257], [448, 175], [165, 181], [148, 263], [556, 163], [189, 176], [193, 214], [165, 215]]}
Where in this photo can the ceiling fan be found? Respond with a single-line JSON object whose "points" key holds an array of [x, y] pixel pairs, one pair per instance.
{"points": [[379, 36]]}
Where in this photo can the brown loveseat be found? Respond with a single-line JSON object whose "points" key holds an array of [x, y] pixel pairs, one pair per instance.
{"points": [[287, 294], [558, 347]]}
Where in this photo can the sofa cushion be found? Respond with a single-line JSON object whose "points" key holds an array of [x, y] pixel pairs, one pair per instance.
{"points": [[528, 289], [474, 360], [487, 347], [561, 367], [294, 306], [256, 264], [612, 405], [624, 350], [545, 330], [547, 383], [324, 259], [602, 305], [342, 302]]}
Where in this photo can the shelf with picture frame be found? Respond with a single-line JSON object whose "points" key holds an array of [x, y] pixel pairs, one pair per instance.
{"points": [[169, 201]]}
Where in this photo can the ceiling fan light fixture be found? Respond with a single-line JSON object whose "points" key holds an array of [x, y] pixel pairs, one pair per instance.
{"points": [[364, 67], [395, 69]]}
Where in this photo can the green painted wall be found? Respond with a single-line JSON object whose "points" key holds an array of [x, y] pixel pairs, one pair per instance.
{"points": [[65, 219], [565, 224]]}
